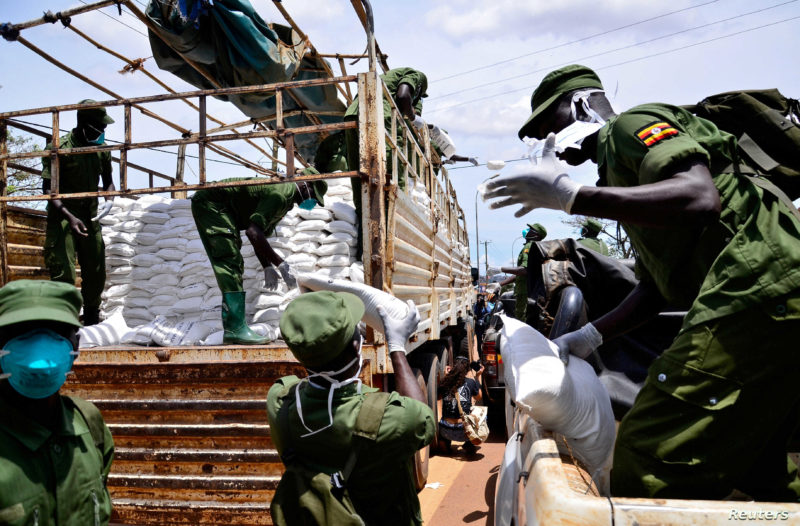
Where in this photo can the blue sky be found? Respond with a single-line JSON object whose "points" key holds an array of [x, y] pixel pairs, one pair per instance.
{"points": [[482, 60]]}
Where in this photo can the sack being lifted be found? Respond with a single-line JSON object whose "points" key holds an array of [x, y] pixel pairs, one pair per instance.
{"points": [[568, 400], [228, 41]]}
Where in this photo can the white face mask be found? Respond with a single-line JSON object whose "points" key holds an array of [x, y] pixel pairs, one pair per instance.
{"points": [[573, 135], [334, 384]]}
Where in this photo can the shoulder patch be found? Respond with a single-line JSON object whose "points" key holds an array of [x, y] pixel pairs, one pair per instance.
{"points": [[654, 132]]}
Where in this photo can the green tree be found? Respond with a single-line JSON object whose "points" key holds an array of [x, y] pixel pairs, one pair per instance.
{"points": [[619, 245], [24, 175]]}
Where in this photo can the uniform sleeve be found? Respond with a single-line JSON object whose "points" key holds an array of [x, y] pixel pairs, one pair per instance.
{"points": [[269, 211], [407, 426], [46, 163], [274, 403], [415, 79], [105, 164], [108, 451], [651, 144]]}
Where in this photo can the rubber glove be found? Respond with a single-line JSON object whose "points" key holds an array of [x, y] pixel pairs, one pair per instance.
{"points": [[288, 275], [581, 343], [418, 122], [105, 208], [545, 185], [270, 278], [398, 331], [473, 160]]}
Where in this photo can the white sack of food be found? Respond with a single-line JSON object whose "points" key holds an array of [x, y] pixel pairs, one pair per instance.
{"points": [[357, 272], [171, 254], [153, 217], [336, 260], [301, 240], [145, 260], [120, 249], [188, 306], [289, 220], [109, 332], [265, 301], [338, 237], [315, 225], [151, 228], [195, 257], [301, 261], [168, 267], [116, 272], [372, 297], [267, 315], [329, 249], [136, 302], [334, 272], [316, 213], [344, 212], [283, 231], [193, 291], [113, 236], [117, 291], [130, 226], [167, 333], [568, 400], [143, 334], [129, 215], [195, 245], [341, 226], [171, 242], [146, 238]]}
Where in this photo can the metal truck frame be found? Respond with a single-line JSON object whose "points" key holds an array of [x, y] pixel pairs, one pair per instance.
{"points": [[189, 423]]}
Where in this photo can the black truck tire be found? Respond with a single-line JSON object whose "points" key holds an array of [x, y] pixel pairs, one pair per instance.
{"points": [[422, 456]]}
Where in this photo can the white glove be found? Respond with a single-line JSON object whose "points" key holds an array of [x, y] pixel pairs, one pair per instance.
{"points": [[398, 331], [546, 185], [418, 122], [103, 211], [270, 278], [288, 275], [473, 160], [581, 343]]}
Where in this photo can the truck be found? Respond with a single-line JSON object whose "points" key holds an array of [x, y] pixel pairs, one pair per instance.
{"points": [[189, 422]]}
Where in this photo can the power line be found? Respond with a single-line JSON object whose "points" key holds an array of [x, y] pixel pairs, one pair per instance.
{"points": [[626, 26], [117, 20], [608, 52], [638, 59]]}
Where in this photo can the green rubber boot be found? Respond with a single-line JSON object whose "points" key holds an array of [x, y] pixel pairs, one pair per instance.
{"points": [[236, 329]]}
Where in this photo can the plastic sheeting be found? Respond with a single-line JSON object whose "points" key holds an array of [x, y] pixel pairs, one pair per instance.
{"points": [[236, 47]]}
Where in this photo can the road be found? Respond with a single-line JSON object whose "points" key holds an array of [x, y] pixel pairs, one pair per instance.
{"points": [[465, 492]]}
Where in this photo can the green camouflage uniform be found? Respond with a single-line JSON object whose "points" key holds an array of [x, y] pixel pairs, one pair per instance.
{"points": [[718, 406], [78, 173], [52, 477], [381, 484], [521, 284], [221, 213]]}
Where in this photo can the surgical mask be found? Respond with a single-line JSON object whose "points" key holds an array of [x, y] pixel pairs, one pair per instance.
{"points": [[573, 135], [36, 363], [306, 204], [101, 135], [334, 384]]}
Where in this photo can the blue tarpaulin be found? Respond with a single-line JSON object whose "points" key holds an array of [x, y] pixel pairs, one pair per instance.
{"points": [[236, 47]]}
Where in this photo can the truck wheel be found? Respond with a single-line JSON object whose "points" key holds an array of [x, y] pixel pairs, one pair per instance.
{"points": [[428, 364], [421, 456], [444, 360]]}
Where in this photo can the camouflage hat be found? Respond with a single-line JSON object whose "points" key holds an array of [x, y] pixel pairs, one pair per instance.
{"points": [[593, 225], [538, 228], [317, 326], [554, 85], [33, 300], [96, 115]]}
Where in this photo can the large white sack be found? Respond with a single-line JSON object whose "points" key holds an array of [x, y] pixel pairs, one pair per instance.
{"points": [[302, 261], [120, 249], [145, 260], [146, 238], [130, 215], [344, 212], [316, 213], [267, 315], [334, 272], [168, 267], [117, 291], [143, 334], [193, 291], [283, 231], [336, 260], [314, 225], [171, 242], [329, 249], [307, 240], [195, 245], [171, 254], [117, 272], [265, 301], [341, 226], [130, 226], [109, 332], [153, 217], [196, 257], [289, 220], [113, 236], [339, 237], [151, 228], [357, 272], [182, 332], [372, 297], [117, 261], [568, 400], [163, 280]]}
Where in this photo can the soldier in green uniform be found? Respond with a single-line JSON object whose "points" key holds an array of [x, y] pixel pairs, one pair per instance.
{"points": [[55, 451], [589, 231], [221, 213], [71, 224], [407, 86], [717, 409], [321, 330], [535, 232]]}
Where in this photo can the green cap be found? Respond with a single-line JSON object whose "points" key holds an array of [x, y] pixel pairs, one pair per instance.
{"points": [[97, 115], [538, 228], [554, 85], [31, 300], [593, 225], [318, 325]]}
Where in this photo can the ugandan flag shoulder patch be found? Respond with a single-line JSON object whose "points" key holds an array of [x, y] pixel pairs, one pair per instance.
{"points": [[655, 132]]}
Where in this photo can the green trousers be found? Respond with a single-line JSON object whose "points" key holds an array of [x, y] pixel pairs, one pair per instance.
{"points": [[61, 247], [222, 241], [717, 412]]}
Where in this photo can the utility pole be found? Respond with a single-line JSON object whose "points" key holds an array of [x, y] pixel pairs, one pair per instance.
{"points": [[486, 254]]}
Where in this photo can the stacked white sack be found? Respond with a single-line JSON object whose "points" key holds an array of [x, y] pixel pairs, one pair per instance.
{"points": [[568, 400], [156, 264]]}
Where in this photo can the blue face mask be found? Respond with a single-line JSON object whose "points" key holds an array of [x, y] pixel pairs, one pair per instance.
{"points": [[308, 204], [37, 362], [100, 139]]}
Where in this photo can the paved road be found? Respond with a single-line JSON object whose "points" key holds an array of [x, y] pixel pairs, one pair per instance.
{"points": [[466, 494]]}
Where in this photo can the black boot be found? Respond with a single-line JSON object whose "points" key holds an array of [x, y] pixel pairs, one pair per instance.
{"points": [[91, 316]]}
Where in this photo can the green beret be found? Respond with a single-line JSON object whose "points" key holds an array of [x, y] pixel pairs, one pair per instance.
{"points": [[96, 115], [317, 326], [538, 228], [593, 225], [554, 85], [39, 300]]}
